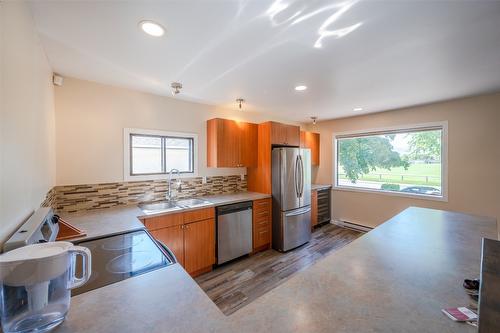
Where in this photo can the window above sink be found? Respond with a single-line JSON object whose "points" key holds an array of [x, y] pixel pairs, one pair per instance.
{"points": [[151, 154]]}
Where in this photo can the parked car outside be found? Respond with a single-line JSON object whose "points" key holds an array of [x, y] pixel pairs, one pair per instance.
{"points": [[429, 190]]}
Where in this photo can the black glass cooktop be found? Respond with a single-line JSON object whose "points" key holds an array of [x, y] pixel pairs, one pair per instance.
{"points": [[120, 257]]}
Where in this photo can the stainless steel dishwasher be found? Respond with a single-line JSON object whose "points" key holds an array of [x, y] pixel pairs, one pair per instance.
{"points": [[234, 231]]}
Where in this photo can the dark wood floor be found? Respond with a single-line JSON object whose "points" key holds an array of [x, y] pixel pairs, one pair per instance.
{"points": [[236, 284]]}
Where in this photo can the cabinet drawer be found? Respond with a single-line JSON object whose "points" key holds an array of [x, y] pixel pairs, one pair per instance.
{"points": [[262, 205], [262, 236], [262, 221], [199, 215], [163, 221], [261, 214]]}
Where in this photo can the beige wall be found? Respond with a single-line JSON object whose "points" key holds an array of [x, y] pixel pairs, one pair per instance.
{"points": [[90, 118], [473, 159], [27, 125]]}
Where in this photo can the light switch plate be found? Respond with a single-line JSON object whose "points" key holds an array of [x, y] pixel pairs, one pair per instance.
{"points": [[242, 177], [203, 180]]}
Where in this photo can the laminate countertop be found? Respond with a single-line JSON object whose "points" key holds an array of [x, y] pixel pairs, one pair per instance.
{"points": [[320, 186], [119, 219], [395, 278]]}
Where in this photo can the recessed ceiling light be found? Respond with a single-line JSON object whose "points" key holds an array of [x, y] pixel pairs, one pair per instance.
{"points": [[152, 28], [300, 88], [357, 109]]}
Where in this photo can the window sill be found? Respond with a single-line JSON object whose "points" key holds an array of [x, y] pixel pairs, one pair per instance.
{"points": [[138, 178], [443, 198]]}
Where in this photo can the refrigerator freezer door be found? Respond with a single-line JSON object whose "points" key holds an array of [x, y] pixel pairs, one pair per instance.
{"points": [[296, 228], [305, 157], [286, 177]]}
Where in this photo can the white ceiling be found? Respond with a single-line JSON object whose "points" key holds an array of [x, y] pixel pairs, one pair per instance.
{"points": [[392, 53]]}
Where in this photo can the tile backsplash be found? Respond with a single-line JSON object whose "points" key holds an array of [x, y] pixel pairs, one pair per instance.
{"points": [[75, 198]]}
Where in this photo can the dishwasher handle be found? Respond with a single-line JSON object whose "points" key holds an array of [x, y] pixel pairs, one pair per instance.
{"points": [[233, 208]]}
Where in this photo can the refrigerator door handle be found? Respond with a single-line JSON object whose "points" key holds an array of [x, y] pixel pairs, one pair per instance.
{"points": [[301, 176], [296, 177], [298, 212]]}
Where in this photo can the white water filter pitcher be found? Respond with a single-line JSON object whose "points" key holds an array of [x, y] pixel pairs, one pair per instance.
{"points": [[36, 282]]}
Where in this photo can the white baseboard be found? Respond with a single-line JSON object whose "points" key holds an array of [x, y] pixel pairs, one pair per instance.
{"points": [[349, 225]]}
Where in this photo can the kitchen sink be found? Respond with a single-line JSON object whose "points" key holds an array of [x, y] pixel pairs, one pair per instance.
{"points": [[193, 203], [170, 206], [160, 207]]}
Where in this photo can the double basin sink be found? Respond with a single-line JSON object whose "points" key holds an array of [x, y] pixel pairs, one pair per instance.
{"points": [[173, 205]]}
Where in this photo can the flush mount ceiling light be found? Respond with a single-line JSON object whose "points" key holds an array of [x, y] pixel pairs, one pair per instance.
{"points": [[300, 88], [240, 102], [314, 120], [357, 109], [152, 28], [176, 88]]}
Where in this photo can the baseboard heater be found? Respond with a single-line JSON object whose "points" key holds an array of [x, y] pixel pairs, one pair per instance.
{"points": [[349, 225]]}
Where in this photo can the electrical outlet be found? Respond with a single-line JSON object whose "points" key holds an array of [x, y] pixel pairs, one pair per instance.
{"points": [[242, 177]]}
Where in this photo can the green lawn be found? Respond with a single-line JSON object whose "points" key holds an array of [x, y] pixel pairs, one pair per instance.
{"points": [[414, 175]]}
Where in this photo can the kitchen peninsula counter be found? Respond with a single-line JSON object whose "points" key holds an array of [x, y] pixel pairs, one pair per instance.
{"points": [[395, 278]]}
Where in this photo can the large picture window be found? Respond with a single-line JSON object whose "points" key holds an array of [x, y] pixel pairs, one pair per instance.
{"points": [[404, 161], [152, 154]]}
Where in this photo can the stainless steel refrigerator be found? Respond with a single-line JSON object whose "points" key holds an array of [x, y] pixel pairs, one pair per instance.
{"points": [[291, 182]]}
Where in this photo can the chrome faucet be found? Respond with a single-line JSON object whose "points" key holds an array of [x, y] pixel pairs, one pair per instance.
{"points": [[178, 187]]}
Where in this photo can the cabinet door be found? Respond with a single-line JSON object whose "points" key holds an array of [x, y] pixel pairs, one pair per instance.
{"points": [[292, 135], [314, 208], [311, 140], [222, 143], [199, 246], [248, 144], [229, 144], [303, 139], [173, 237], [278, 134]]}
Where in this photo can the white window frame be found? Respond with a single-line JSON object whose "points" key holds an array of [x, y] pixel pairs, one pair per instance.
{"points": [[126, 154], [403, 128]]}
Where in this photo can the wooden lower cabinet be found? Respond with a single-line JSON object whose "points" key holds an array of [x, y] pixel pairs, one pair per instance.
{"points": [[199, 246], [173, 237], [191, 239], [314, 208], [262, 221]]}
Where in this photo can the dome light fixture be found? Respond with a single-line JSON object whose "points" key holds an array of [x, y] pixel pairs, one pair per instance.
{"points": [[301, 88], [152, 28], [176, 88], [240, 102], [357, 109]]}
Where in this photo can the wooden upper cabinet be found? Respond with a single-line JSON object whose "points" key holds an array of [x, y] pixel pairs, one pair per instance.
{"points": [[231, 143], [248, 144], [311, 140], [282, 134]]}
